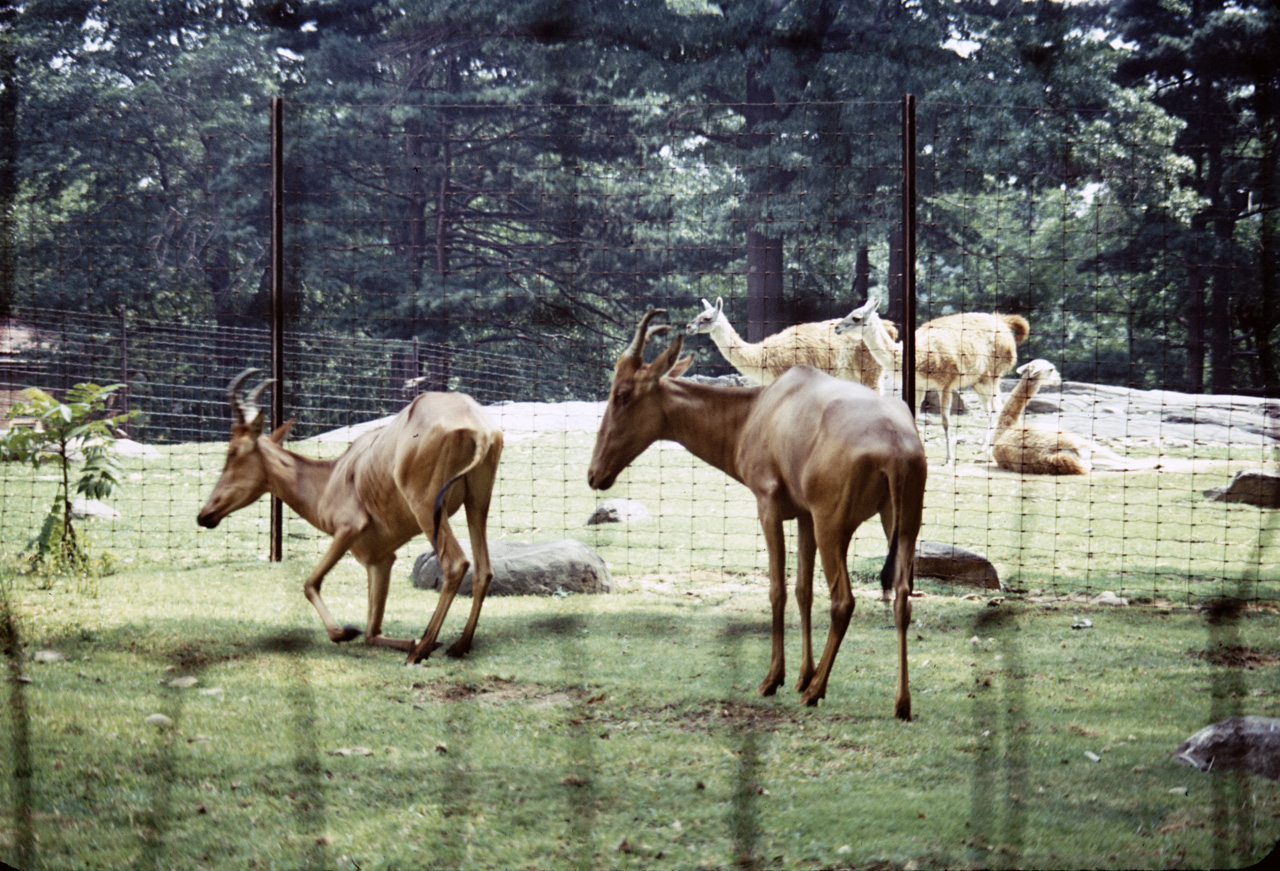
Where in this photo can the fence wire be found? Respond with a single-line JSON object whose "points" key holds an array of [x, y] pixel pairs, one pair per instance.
{"points": [[508, 251]]}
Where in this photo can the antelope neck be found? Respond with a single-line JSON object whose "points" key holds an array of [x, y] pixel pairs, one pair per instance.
{"points": [[707, 419], [298, 481]]}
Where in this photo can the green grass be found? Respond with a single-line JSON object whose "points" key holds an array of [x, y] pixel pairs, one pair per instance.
{"points": [[623, 731], [614, 732], [1145, 534]]}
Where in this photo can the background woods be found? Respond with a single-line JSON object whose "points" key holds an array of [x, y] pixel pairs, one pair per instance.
{"points": [[532, 175]]}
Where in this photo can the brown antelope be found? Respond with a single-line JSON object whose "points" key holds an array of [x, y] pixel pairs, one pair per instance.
{"points": [[822, 451], [391, 484]]}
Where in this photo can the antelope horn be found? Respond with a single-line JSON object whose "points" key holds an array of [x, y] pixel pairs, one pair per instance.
{"points": [[644, 334], [233, 393], [252, 399], [244, 411]]}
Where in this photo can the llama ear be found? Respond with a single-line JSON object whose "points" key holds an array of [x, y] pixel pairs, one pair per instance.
{"points": [[719, 304], [706, 305]]}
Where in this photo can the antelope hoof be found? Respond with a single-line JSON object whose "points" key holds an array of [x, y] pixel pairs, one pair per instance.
{"points": [[769, 687], [420, 653], [803, 683], [902, 710], [348, 632], [811, 696], [458, 649]]}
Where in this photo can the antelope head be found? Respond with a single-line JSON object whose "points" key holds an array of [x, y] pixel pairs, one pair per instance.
{"points": [[707, 318], [860, 317], [244, 477], [633, 418]]}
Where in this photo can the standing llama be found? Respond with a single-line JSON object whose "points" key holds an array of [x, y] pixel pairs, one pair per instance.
{"points": [[972, 349], [810, 344], [1038, 450]]}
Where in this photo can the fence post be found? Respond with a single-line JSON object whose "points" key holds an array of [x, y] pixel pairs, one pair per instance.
{"points": [[124, 360], [909, 251], [277, 303]]}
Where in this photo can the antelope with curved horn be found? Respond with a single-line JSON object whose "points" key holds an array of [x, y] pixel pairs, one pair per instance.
{"points": [[438, 454], [824, 452]]}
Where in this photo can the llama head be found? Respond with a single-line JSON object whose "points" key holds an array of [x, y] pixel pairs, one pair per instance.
{"points": [[707, 319], [1041, 371], [864, 317]]}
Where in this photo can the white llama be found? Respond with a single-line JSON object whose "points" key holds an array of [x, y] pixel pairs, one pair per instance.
{"points": [[809, 344], [1038, 450], [972, 349]]}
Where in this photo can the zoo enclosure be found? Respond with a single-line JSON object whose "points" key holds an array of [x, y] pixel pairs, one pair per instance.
{"points": [[508, 251]]}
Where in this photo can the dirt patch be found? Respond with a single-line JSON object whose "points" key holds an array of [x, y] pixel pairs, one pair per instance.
{"points": [[744, 716], [1238, 656], [496, 691]]}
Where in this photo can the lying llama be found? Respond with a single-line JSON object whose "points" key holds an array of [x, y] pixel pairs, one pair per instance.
{"points": [[972, 349], [1037, 450], [810, 344]]}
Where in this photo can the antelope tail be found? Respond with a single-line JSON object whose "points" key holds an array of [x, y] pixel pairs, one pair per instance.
{"points": [[906, 509], [481, 449]]}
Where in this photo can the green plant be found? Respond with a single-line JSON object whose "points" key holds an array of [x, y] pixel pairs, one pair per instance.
{"points": [[64, 433]]}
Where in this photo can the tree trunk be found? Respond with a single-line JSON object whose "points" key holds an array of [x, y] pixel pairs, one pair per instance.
{"points": [[861, 287], [8, 163], [766, 312], [1221, 344], [1195, 320]]}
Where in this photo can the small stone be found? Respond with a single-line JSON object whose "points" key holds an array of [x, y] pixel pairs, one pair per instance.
{"points": [[160, 721]]}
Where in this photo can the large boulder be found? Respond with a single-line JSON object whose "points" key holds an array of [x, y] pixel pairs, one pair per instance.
{"points": [[1253, 486], [540, 569], [955, 565], [1250, 743]]}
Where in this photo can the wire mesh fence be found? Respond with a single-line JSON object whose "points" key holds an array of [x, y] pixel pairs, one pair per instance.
{"points": [[508, 251]]}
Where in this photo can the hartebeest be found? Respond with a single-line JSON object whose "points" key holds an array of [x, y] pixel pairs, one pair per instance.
{"points": [[409, 476], [817, 449]]}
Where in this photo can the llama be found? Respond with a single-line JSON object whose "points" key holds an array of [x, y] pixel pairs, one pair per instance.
{"points": [[972, 349], [810, 344], [1037, 450]]}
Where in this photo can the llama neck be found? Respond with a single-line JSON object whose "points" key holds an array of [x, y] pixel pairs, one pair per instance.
{"points": [[1017, 402], [738, 351], [886, 352]]}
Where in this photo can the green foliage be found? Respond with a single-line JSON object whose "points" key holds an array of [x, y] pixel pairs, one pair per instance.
{"points": [[43, 430]]}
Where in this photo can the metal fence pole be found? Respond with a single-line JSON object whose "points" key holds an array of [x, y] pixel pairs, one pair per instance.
{"points": [[909, 251], [277, 303]]}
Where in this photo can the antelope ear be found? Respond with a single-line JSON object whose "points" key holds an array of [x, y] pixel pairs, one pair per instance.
{"points": [[281, 431], [680, 366], [668, 361]]}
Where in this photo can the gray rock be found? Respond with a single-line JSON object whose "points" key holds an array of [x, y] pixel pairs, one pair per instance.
{"points": [[82, 508], [618, 511], [955, 565], [1252, 486], [1249, 743], [541, 569]]}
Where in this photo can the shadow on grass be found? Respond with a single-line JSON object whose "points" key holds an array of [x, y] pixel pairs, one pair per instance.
{"points": [[19, 724]]}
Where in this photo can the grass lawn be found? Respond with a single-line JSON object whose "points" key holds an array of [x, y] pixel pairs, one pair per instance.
{"points": [[623, 731], [616, 731]]}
